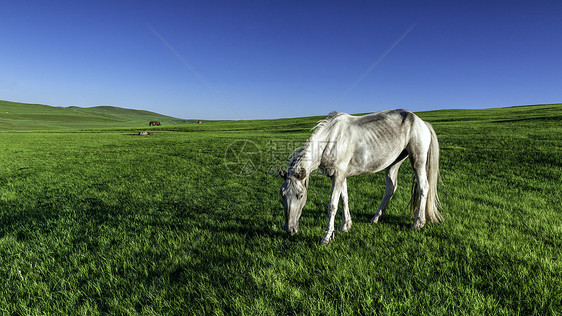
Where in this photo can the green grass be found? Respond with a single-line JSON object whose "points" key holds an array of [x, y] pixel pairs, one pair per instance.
{"points": [[25, 117], [104, 221]]}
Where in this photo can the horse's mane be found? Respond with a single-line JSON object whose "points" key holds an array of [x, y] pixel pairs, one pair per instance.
{"points": [[322, 127]]}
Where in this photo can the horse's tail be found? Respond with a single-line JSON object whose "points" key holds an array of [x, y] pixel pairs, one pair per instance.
{"points": [[432, 170]]}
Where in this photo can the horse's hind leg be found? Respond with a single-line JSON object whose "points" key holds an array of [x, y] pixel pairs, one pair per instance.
{"points": [[422, 190], [391, 185], [418, 148]]}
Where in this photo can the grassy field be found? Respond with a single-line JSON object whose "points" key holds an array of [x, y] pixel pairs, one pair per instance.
{"points": [[105, 221]]}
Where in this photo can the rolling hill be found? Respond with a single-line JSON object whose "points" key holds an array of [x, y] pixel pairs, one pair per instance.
{"points": [[23, 116]]}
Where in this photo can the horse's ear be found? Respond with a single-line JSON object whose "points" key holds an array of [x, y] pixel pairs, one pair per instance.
{"points": [[302, 174], [282, 173]]}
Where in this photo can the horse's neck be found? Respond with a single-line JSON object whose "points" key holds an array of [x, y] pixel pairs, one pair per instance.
{"points": [[310, 156]]}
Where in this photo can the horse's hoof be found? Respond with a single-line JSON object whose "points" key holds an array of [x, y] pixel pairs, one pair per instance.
{"points": [[346, 227], [378, 217], [328, 239], [417, 225]]}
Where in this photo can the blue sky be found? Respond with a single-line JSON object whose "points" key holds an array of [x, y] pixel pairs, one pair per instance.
{"points": [[270, 59]]}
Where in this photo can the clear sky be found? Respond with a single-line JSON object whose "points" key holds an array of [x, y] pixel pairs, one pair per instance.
{"points": [[270, 59]]}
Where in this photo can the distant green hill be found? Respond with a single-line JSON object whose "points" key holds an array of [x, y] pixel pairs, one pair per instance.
{"points": [[22, 116]]}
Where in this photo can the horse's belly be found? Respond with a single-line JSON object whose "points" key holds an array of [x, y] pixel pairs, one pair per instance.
{"points": [[365, 161]]}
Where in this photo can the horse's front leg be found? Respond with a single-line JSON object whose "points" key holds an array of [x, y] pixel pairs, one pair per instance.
{"points": [[346, 225], [337, 185]]}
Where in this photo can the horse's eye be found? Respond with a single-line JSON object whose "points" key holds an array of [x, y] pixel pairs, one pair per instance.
{"points": [[299, 196]]}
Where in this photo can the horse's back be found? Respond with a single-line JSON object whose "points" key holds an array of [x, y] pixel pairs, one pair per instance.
{"points": [[396, 117], [386, 127], [398, 130]]}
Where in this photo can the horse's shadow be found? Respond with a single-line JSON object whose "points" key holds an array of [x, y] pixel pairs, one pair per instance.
{"points": [[249, 229], [394, 220]]}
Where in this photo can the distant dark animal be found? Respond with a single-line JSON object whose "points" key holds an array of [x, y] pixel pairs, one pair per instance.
{"points": [[154, 123], [199, 122], [145, 133], [343, 145]]}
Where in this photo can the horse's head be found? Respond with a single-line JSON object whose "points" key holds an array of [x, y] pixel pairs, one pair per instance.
{"points": [[293, 194]]}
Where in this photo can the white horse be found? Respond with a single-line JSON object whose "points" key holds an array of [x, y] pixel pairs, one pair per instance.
{"points": [[343, 145]]}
